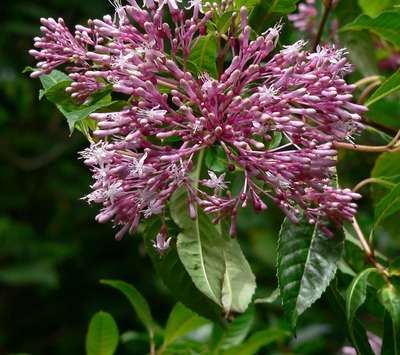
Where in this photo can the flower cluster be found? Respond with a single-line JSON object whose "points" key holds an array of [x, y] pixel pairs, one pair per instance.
{"points": [[272, 114]]}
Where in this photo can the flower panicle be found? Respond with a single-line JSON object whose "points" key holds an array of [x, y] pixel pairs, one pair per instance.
{"points": [[147, 150]]}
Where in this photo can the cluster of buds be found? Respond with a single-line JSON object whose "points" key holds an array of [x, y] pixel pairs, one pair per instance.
{"points": [[174, 116]]}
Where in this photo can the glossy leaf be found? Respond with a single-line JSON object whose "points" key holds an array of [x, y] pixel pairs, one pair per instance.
{"points": [[389, 296], [338, 307], [359, 43], [214, 261], [356, 294], [216, 159], [235, 334], [307, 262], [224, 21], [390, 86], [175, 276], [386, 25], [102, 337], [181, 321], [391, 336], [203, 55], [137, 301], [256, 341], [388, 205]]}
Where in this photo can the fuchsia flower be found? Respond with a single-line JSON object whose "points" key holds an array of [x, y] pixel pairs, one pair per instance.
{"points": [[147, 150]]}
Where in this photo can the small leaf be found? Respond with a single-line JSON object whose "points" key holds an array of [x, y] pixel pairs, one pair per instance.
{"points": [[204, 55], [181, 321], [388, 205], [386, 25], [390, 86], [235, 334], [216, 159], [138, 302], [103, 336], [391, 336], [337, 305], [389, 296], [73, 117], [307, 262], [356, 294], [256, 341]]}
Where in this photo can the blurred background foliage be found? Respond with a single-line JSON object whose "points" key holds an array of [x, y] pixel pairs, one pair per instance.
{"points": [[53, 253]]}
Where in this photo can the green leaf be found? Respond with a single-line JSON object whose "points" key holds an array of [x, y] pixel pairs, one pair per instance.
{"points": [[57, 95], [386, 25], [389, 296], [73, 117], [373, 8], [214, 261], [307, 262], [216, 159], [337, 304], [175, 276], [256, 341], [391, 337], [204, 55], [138, 302], [249, 4], [235, 334], [394, 267], [359, 43], [390, 86], [356, 294], [55, 77], [103, 336], [388, 205], [224, 21], [181, 321], [261, 13]]}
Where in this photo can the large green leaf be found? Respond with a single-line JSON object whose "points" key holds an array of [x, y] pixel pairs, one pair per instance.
{"points": [[386, 25], [256, 341], [181, 321], [137, 301], [213, 260], [388, 205], [102, 337], [389, 296], [337, 304], [359, 43], [204, 55], [356, 294], [391, 336], [307, 262], [235, 334], [390, 86], [175, 276]]}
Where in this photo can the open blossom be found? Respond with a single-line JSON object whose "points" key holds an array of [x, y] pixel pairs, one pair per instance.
{"points": [[273, 115]]}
